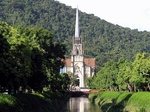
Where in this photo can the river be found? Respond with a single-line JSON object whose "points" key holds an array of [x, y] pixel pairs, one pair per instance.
{"points": [[81, 104]]}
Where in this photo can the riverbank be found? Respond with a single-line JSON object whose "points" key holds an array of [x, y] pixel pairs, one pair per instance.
{"points": [[122, 101], [48, 102]]}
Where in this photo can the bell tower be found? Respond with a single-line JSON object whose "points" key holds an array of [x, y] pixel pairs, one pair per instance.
{"points": [[77, 59], [78, 65]]}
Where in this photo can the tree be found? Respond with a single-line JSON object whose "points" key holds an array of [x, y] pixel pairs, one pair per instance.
{"points": [[106, 77], [4, 54], [88, 82], [102, 40], [141, 78], [124, 74]]}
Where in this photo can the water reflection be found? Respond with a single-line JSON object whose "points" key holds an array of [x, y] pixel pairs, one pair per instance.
{"points": [[81, 104]]}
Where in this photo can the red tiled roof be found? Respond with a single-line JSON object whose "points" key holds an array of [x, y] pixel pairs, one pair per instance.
{"points": [[88, 62], [68, 62]]}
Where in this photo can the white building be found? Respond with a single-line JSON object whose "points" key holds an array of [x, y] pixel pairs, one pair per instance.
{"points": [[78, 65]]}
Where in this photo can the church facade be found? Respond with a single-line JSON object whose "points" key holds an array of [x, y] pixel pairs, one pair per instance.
{"points": [[79, 66]]}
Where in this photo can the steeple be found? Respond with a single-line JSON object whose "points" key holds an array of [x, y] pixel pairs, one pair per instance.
{"points": [[77, 24], [77, 41]]}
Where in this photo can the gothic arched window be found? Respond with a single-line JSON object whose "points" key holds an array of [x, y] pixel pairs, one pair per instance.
{"points": [[77, 52]]}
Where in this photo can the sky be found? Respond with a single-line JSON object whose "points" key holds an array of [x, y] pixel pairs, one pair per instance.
{"points": [[134, 14]]}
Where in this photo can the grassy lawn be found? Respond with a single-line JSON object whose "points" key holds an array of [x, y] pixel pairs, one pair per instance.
{"points": [[139, 102], [48, 102], [122, 101]]}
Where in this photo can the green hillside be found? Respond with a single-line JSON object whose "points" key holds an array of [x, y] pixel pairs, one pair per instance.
{"points": [[102, 40]]}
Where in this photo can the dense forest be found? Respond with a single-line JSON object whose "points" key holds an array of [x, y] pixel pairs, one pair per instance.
{"points": [[102, 40]]}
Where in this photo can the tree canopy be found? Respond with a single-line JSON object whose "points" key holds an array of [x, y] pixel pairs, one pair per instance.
{"points": [[29, 59], [29, 51], [101, 39], [124, 75]]}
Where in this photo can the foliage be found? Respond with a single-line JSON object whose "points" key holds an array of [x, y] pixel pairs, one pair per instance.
{"points": [[30, 60], [32, 102], [101, 39], [104, 41], [124, 75], [7, 100], [122, 101], [139, 102], [88, 81]]}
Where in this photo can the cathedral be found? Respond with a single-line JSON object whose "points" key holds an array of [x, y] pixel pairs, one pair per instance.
{"points": [[79, 66]]}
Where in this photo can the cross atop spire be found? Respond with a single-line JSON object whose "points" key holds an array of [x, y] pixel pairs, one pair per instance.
{"points": [[77, 24]]}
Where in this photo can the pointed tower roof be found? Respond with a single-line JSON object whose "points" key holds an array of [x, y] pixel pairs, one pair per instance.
{"points": [[77, 24]]}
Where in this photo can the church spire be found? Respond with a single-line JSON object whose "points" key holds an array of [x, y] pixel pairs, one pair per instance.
{"points": [[77, 24]]}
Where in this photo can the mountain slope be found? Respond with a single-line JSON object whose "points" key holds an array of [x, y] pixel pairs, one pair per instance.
{"points": [[102, 40]]}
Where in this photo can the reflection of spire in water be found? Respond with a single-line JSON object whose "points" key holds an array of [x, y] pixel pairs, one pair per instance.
{"points": [[81, 104]]}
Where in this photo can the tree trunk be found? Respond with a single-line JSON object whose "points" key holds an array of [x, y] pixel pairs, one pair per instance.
{"points": [[134, 87], [130, 88], [148, 85]]}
